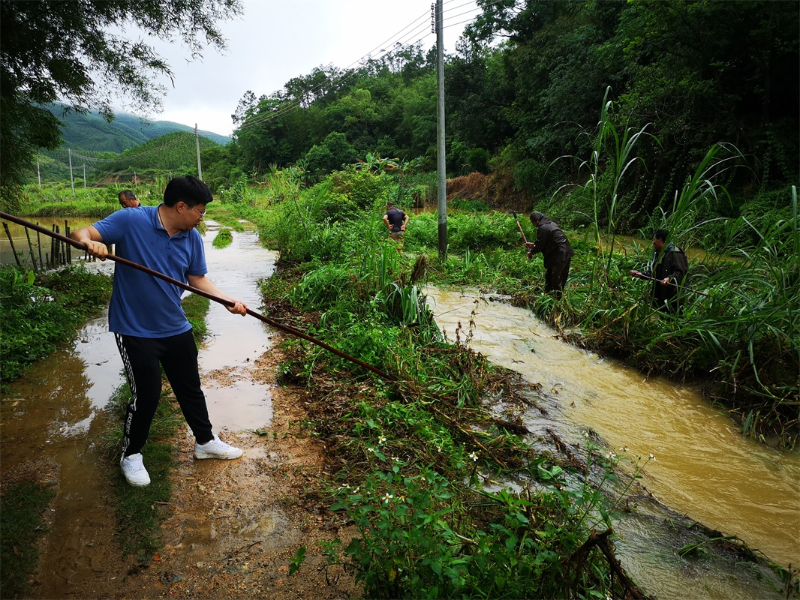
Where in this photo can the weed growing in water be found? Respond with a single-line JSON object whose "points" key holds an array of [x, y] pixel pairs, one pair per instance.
{"points": [[223, 239]]}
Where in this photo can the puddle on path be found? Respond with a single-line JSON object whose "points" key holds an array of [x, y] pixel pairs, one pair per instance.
{"points": [[705, 468], [234, 342]]}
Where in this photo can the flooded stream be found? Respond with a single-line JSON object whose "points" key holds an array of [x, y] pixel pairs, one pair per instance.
{"points": [[56, 410], [704, 467]]}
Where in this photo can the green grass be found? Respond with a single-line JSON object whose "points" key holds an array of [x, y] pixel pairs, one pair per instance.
{"points": [[21, 506], [224, 239], [406, 455], [37, 314], [57, 200], [222, 214], [196, 307]]}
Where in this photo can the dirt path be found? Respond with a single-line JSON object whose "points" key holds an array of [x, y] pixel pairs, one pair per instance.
{"points": [[231, 527]]}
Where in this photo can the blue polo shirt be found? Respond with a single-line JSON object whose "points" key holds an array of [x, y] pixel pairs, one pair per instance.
{"points": [[143, 305]]}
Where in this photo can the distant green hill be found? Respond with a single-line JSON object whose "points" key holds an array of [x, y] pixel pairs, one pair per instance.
{"points": [[93, 133], [171, 153]]}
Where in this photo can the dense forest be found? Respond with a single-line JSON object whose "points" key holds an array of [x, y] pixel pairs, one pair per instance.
{"points": [[524, 94]]}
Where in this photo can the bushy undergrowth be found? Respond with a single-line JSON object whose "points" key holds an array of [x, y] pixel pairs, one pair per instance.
{"points": [[37, 315], [739, 325], [408, 455]]}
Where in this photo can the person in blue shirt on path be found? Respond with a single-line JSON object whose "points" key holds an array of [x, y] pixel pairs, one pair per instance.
{"points": [[147, 319]]}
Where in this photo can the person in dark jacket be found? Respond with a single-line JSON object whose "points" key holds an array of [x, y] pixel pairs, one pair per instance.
{"points": [[396, 220], [668, 270], [556, 252]]}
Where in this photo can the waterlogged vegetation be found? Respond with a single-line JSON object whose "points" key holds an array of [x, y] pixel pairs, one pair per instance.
{"points": [[418, 462], [39, 312], [223, 239], [57, 200], [23, 505], [412, 456]]}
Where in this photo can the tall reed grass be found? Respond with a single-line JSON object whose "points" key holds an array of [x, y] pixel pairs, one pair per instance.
{"points": [[739, 323]]}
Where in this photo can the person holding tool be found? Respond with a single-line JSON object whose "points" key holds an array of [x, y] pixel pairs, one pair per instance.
{"points": [[556, 252], [146, 317], [667, 271]]}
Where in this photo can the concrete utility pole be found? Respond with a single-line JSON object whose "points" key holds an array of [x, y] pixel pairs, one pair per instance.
{"points": [[197, 141], [84, 175], [441, 159], [71, 179], [39, 173]]}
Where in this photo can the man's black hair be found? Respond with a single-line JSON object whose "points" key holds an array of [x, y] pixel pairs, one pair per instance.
{"points": [[187, 189], [661, 234], [127, 194], [536, 216]]}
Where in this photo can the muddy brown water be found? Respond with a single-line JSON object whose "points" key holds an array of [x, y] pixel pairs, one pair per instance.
{"points": [[704, 467], [55, 411]]}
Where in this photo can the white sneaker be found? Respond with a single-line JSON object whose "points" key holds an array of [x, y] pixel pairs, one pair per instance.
{"points": [[134, 471], [216, 448]]}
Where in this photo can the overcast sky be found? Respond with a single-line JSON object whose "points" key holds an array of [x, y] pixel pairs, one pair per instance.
{"points": [[276, 40]]}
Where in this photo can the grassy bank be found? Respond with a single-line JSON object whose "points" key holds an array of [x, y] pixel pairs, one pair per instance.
{"points": [[423, 446], [58, 200], [410, 458], [38, 313], [738, 333]]}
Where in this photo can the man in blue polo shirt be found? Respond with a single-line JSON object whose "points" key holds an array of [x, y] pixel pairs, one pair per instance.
{"points": [[146, 316]]}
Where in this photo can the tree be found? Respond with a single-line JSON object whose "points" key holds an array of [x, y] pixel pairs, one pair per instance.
{"points": [[68, 51], [334, 152]]}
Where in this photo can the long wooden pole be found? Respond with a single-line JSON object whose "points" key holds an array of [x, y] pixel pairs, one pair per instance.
{"points": [[199, 292], [682, 287], [524, 239]]}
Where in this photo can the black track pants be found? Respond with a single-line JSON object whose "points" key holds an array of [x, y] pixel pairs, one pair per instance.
{"points": [[143, 358]]}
